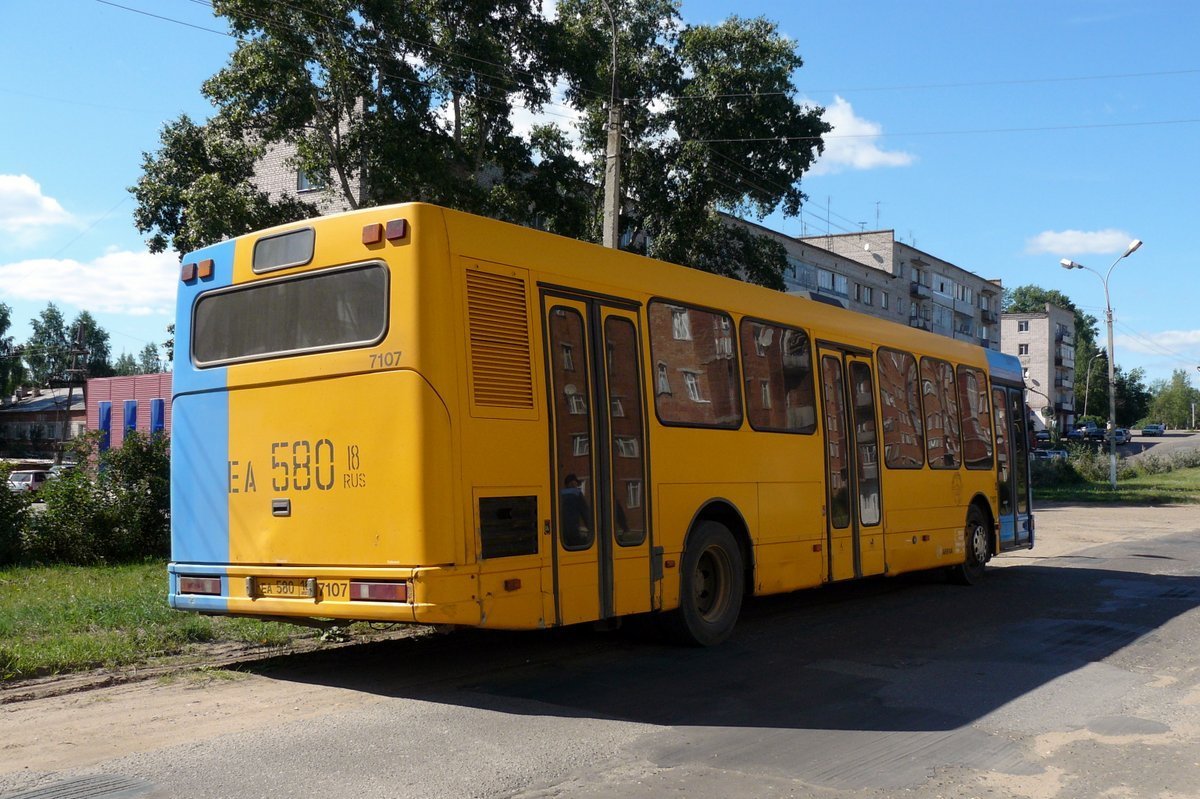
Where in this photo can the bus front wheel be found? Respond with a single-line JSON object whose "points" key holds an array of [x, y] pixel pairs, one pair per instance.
{"points": [[711, 584], [978, 544]]}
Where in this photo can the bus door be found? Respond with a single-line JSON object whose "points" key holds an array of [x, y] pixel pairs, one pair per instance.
{"points": [[1012, 467], [602, 564], [854, 512]]}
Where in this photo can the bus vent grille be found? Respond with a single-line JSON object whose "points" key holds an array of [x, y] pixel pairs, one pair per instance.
{"points": [[501, 374]]}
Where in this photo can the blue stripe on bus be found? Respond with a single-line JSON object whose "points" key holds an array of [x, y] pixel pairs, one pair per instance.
{"points": [[199, 434]]}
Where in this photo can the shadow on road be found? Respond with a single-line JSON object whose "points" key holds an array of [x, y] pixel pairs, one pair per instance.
{"points": [[909, 653]]}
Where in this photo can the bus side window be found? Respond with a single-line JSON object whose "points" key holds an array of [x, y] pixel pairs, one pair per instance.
{"points": [[900, 406], [976, 419]]}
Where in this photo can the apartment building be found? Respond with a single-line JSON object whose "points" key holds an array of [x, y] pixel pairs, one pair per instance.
{"points": [[1044, 342], [939, 296]]}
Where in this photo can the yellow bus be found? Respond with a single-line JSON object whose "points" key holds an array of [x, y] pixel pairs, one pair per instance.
{"points": [[412, 414]]}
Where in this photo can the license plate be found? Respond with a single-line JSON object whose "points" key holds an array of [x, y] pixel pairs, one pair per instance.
{"points": [[297, 588]]}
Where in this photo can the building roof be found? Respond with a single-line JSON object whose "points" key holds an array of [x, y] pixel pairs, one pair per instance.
{"points": [[49, 400]]}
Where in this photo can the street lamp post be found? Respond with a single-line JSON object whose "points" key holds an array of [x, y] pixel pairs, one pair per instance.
{"points": [[1087, 387], [1067, 263]]}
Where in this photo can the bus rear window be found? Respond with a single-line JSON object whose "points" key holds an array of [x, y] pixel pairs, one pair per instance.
{"points": [[307, 313]]}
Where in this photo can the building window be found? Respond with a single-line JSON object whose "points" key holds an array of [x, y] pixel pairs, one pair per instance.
{"points": [[692, 383], [633, 494], [627, 446], [1023, 326], [884, 300], [568, 357], [1022, 349], [575, 402], [618, 409], [681, 328], [579, 444], [662, 382], [307, 182], [766, 394]]}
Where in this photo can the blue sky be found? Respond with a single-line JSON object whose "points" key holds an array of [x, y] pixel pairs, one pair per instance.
{"points": [[1001, 136]]}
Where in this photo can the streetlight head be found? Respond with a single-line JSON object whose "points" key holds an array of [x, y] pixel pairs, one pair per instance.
{"points": [[1067, 263], [1133, 245]]}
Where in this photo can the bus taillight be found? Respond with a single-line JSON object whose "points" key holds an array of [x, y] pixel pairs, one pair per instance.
{"points": [[210, 586], [378, 591]]}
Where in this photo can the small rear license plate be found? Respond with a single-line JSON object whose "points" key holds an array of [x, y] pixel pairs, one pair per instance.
{"points": [[297, 588]]}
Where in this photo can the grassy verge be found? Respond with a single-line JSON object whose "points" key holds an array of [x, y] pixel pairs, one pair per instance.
{"points": [[69, 618], [1178, 486]]}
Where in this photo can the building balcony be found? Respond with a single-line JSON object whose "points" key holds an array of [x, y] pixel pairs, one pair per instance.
{"points": [[1066, 406], [915, 289], [1066, 337], [922, 324], [989, 317]]}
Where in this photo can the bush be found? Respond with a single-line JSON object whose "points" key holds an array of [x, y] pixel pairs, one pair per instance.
{"points": [[114, 508], [1053, 472], [14, 511]]}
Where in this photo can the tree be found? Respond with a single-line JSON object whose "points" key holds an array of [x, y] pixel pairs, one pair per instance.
{"points": [[1171, 402], [713, 124], [1032, 299], [125, 365], [87, 336], [11, 369], [1133, 399], [47, 353], [148, 360], [387, 102], [197, 189]]}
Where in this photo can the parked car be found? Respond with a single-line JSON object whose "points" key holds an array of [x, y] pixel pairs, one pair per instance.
{"points": [[1087, 431], [1121, 435], [60, 469], [27, 480], [1049, 454], [1154, 430]]}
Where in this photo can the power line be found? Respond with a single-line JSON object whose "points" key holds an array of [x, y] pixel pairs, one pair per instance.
{"points": [[964, 131]]}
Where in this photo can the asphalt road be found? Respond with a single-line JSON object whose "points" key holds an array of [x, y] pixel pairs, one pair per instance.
{"points": [[1071, 672]]}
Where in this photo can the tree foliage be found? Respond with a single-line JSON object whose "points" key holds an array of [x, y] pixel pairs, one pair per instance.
{"points": [[55, 348], [1032, 299], [197, 189], [11, 368], [1172, 400], [387, 102]]}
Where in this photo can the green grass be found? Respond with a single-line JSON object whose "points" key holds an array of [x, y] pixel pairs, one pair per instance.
{"points": [[1177, 486], [70, 618]]}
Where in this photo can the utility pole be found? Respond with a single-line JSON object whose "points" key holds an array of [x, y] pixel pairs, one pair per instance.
{"points": [[612, 159]]}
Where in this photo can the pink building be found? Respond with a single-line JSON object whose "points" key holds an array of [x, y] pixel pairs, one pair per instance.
{"points": [[133, 402]]}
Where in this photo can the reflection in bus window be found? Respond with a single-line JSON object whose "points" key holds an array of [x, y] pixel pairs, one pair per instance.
{"points": [[778, 372], [693, 348], [976, 418], [941, 414], [573, 430], [900, 406], [1003, 451], [628, 465], [835, 438], [866, 446]]}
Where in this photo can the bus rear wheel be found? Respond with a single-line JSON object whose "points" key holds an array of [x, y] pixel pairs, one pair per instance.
{"points": [[978, 544], [711, 584]]}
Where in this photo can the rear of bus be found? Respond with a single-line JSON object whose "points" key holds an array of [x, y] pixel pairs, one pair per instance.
{"points": [[311, 445]]}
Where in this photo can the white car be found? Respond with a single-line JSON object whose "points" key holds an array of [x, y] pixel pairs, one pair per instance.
{"points": [[27, 480]]}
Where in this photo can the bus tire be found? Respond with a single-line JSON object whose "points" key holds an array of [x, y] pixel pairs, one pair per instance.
{"points": [[711, 585], [978, 546]]}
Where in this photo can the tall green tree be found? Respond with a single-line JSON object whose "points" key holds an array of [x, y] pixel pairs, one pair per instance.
{"points": [[713, 123], [1133, 398], [148, 360], [1172, 400], [197, 189], [92, 341], [1032, 299], [11, 369], [386, 102], [125, 365], [47, 353]]}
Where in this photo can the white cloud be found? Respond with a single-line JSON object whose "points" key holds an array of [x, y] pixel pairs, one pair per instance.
{"points": [[123, 282], [23, 207], [854, 143], [1168, 343], [1078, 242]]}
